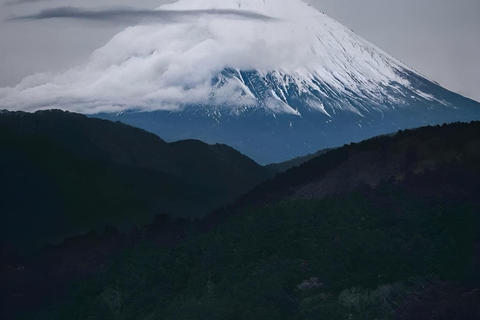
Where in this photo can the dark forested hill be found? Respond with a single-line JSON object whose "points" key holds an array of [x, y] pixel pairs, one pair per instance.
{"points": [[448, 154], [63, 174], [385, 229]]}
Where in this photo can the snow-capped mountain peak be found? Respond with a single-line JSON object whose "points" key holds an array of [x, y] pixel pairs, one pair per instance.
{"points": [[273, 79], [294, 49]]}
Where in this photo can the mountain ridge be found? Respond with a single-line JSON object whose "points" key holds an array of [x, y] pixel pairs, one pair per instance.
{"points": [[80, 174], [416, 156]]}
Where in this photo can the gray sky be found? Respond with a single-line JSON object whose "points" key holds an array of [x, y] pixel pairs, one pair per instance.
{"points": [[438, 38]]}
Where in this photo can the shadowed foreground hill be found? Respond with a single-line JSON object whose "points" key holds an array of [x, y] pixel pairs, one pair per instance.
{"points": [[64, 174], [386, 229]]}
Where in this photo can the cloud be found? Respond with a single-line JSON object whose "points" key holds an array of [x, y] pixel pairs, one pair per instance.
{"points": [[17, 2], [172, 65], [131, 16]]}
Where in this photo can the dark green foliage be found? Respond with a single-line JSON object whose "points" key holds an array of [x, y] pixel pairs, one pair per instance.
{"points": [[64, 174], [427, 150], [362, 251], [251, 267]]}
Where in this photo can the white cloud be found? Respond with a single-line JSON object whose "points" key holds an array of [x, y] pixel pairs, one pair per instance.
{"points": [[166, 66]]}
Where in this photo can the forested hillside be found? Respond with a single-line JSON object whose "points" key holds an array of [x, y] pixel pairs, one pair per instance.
{"points": [[64, 174], [385, 229]]}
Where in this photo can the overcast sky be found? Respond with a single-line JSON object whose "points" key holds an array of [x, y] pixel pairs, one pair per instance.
{"points": [[438, 38]]}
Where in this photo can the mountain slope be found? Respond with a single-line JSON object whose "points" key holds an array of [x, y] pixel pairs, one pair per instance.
{"points": [[64, 174], [441, 157], [295, 162]]}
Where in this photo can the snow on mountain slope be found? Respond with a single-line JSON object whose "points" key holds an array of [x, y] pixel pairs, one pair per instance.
{"points": [[199, 60]]}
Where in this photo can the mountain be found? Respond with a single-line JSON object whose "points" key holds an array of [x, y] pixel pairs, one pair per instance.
{"points": [[388, 228], [277, 136], [321, 87], [275, 80], [64, 174]]}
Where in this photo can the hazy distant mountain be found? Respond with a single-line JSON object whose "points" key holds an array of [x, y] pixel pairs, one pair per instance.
{"points": [[63, 174]]}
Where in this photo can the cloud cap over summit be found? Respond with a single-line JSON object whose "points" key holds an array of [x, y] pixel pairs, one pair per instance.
{"points": [[164, 67]]}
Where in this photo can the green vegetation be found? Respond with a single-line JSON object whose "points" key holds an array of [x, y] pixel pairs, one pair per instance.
{"points": [[386, 229], [64, 174], [358, 257]]}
